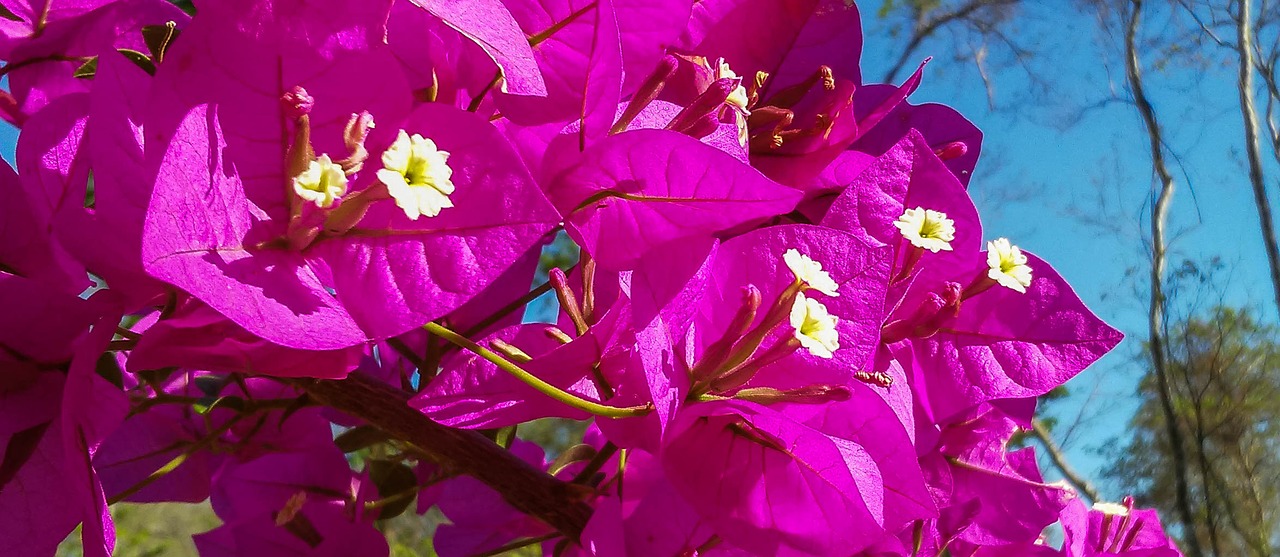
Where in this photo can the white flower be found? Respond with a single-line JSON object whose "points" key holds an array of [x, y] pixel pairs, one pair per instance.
{"points": [[815, 327], [1008, 265], [810, 272], [927, 229], [417, 175], [1111, 509], [321, 183]]}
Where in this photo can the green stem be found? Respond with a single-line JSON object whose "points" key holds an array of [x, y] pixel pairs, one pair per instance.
{"points": [[177, 461], [521, 543], [533, 381]]}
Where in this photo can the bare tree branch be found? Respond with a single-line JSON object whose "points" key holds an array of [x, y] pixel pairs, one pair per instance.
{"points": [[1051, 448]]}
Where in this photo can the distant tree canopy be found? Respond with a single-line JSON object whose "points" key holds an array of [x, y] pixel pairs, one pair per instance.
{"points": [[1224, 368]]}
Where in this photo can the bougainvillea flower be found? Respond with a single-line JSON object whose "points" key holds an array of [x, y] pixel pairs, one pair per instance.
{"points": [[196, 336], [272, 463], [107, 235], [30, 18], [586, 51], [305, 527], [857, 267], [64, 41], [92, 408], [57, 411], [793, 142], [960, 328], [238, 250], [37, 332], [471, 392], [39, 327], [766, 482], [34, 495], [580, 53], [778, 315], [951, 136], [622, 199], [787, 40], [490, 25], [1114, 530], [27, 247], [1014, 504], [146, 442], [92, 186]]}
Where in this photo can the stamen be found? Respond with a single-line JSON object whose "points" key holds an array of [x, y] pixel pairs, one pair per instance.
{"points": [[791, 96], [877, 378]]}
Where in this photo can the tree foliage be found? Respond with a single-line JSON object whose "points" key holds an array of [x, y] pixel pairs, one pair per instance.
{"points": [[1224, 367]]}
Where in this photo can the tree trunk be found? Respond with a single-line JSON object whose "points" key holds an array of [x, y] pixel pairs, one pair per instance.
{"points": [[1249, 112], [1156, 309]]}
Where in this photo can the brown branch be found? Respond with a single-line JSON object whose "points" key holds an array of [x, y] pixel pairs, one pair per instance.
{"points": [[531, 491], [1051, 448]]}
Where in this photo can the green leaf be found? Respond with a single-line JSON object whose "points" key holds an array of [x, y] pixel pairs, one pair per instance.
{"points": [[360, 437], [87, 70], [576, 453], [141, 60], [393, 480], [109, 368], [505, 437], [210, 385], [5, 13], [159, 38]]}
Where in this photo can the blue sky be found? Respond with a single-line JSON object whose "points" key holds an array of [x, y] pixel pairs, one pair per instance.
{"points": [[1047, 160]]}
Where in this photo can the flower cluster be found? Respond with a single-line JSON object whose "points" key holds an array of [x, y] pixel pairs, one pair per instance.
{"points": [[784, 328]]}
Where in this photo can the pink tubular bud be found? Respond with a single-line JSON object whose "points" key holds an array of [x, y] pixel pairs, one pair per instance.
{"points": [[953, 150], [933, 313], [719, 351], [568, 302], [649, 90], [812, 394], [357, 129], [703, 127], [708, 103], [297, 103]]}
